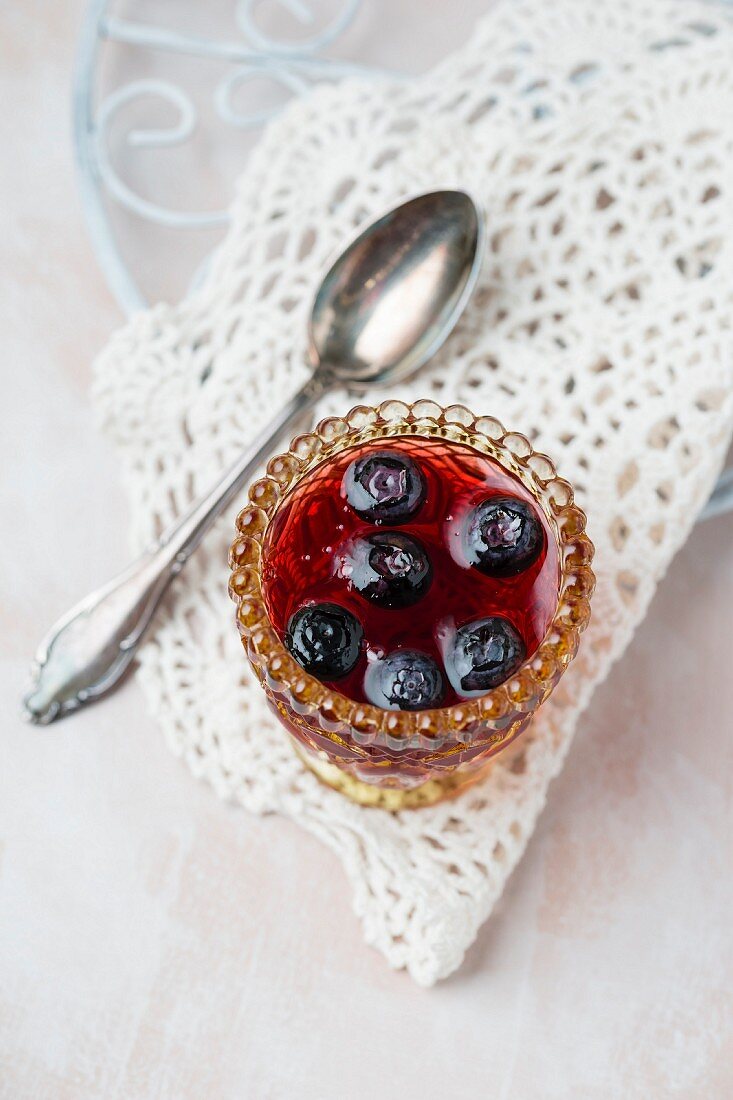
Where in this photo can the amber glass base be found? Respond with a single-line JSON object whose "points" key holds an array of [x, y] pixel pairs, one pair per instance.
{"points": [[391, 798]]}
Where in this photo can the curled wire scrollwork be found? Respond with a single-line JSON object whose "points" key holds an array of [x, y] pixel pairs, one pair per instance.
{"points": [[293, 66], [159, 138]]}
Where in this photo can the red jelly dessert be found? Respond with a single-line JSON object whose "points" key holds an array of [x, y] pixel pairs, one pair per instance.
{"points": [[410, 573], [411, 583]]}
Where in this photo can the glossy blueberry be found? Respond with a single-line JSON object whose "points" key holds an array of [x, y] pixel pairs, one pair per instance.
{"points": [[502, 537], [483, 654], [325, 640], [404, 680], [384, 487], [388, 568]]}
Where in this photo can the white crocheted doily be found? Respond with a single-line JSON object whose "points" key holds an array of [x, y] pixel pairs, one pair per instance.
{"points": [[598, 138]]}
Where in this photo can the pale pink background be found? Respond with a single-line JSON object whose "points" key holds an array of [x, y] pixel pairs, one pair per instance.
{"points": [[157, 943]]}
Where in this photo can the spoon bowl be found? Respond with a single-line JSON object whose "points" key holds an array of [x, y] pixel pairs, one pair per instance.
{"points": [[393, 295]]}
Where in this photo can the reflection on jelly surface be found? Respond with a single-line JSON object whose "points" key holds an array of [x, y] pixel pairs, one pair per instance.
{"points": [[315, 530]]}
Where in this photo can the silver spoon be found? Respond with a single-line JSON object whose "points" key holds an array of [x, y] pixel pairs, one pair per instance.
{"points": [[383, 308]]}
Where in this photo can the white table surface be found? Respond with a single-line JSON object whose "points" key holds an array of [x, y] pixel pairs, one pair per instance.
{"points": [[157, 943]]}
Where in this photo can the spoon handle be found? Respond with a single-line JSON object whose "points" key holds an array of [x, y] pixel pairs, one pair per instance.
{"points": [[87, 652]]}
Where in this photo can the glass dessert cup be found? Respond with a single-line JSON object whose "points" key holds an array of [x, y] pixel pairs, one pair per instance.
{"points": [[403, 758]]}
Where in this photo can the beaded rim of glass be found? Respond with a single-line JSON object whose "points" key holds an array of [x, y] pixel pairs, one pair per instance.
{"points": [[511, 701]]}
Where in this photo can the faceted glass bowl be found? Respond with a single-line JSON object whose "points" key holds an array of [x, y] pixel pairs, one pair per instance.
{"points": [[398, 759]]}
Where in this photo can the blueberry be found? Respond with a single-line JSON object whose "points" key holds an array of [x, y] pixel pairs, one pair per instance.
{"points": [[385, 486], [405, 680], [483, 654], [387, 568], [325, 640], [502, 537]]}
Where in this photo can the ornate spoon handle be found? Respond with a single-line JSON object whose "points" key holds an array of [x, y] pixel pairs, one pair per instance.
{"points": [[87, 652]]}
